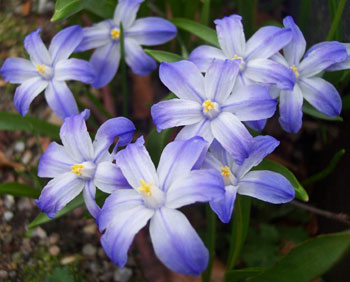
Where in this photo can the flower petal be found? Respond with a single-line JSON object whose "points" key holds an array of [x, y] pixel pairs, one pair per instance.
{"points": [[295, 50], [223, 207], [65, 42], [267, 41], [220, 79], [26, 92], [140, 63], [105, 62], [343, 65], [136, 164], [268, 71], [54, 161], [120, 127], [176, 112], [74, 69], [203, 56], [322, 95], [321, 56], [89, 194], [121, 217], [60, 99], [262, 146], [126, 11], [252, 102], [217, 157], [36, 48], [76, 139], [108, 178], [232, 135], [95, 36], [18, 70], [198, 186], [231, 35], [176, 243], [201, 129], [184, 79], [257, 125], [267, 186], [291, 113], [151, 31], [178, 159], [59, 192]]}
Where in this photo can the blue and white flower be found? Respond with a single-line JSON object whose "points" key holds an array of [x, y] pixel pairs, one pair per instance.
{"points": [[105, 37], [81, 165], [156, 196], [309, 85], [48, 70], [252, 56], [207, 108], [264, 185]]}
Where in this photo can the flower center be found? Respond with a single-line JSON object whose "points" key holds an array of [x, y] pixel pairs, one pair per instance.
{"points": [[153, 197], [295, 69], [145, 188], [228, 177], [115, 33], [225, 171], [210, 109], [85, 170], [241, 64], [44, 70]]}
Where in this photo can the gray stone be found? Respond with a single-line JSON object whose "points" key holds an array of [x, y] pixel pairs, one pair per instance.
{"points": [[89, 250], [8, 215], [122, 274]]}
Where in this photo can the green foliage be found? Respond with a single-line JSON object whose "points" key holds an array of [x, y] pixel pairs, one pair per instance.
{"points": [[240, 274], [60, 274], [300, 192], [311, 111], [308, 260], [336, 14], [19, 190], [155, 143], [163, 56], [11, 121]]}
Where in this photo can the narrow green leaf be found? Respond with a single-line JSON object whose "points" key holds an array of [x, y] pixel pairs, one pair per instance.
{"points": [[11, 121], [102, 8], [240, 274], [239, 231], [300, 192], [336, 20], [19, 190], [311, 111], [210, 242], [66, 8], [201, 31], [304, 14], [163, 56], [205, 12], [155, 143], [247, 9], [308, 260], [328, 170]]}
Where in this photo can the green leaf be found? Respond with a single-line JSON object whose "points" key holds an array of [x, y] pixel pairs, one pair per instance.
{"points": [[163, 56], [247, 9], [203, 32], [240, 274], [239, 231], [308, 260], [60, 274], [66, 8], [11, 121], [155, 143], [205, 12], [346, 102], [336, 20], [103, 8], [311, 111], [300, 192], [328, 170], [19, 190]]}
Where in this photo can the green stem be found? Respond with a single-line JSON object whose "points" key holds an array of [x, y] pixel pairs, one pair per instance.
{"points": [[123, 69], [205, 12], [336, 20], [98, 104], [210, 240]]}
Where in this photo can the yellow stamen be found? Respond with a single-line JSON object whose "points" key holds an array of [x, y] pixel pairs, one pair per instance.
{"points": [[236, 57], [295, 69], [115, 33], [208, 105], [225, 171], [40, 68], [145, 187], [77, 169]]}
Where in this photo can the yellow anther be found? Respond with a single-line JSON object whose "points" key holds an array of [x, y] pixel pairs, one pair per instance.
{"points": [[115, 33], [295, 69], [77, 168], [225, 171], [40, 68], [208, 105], [236, 57], [146, 188]]}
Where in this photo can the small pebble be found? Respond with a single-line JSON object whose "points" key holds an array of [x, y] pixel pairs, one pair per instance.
{"points": [[8, 215], [19, 146], [54, 250], [9, 201], [39, 232], [90, 229], [122, 274], [54, 238], [24, 204], [27, 156], [89, 250], [68, 260], [12, 274], [3, 274]]}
